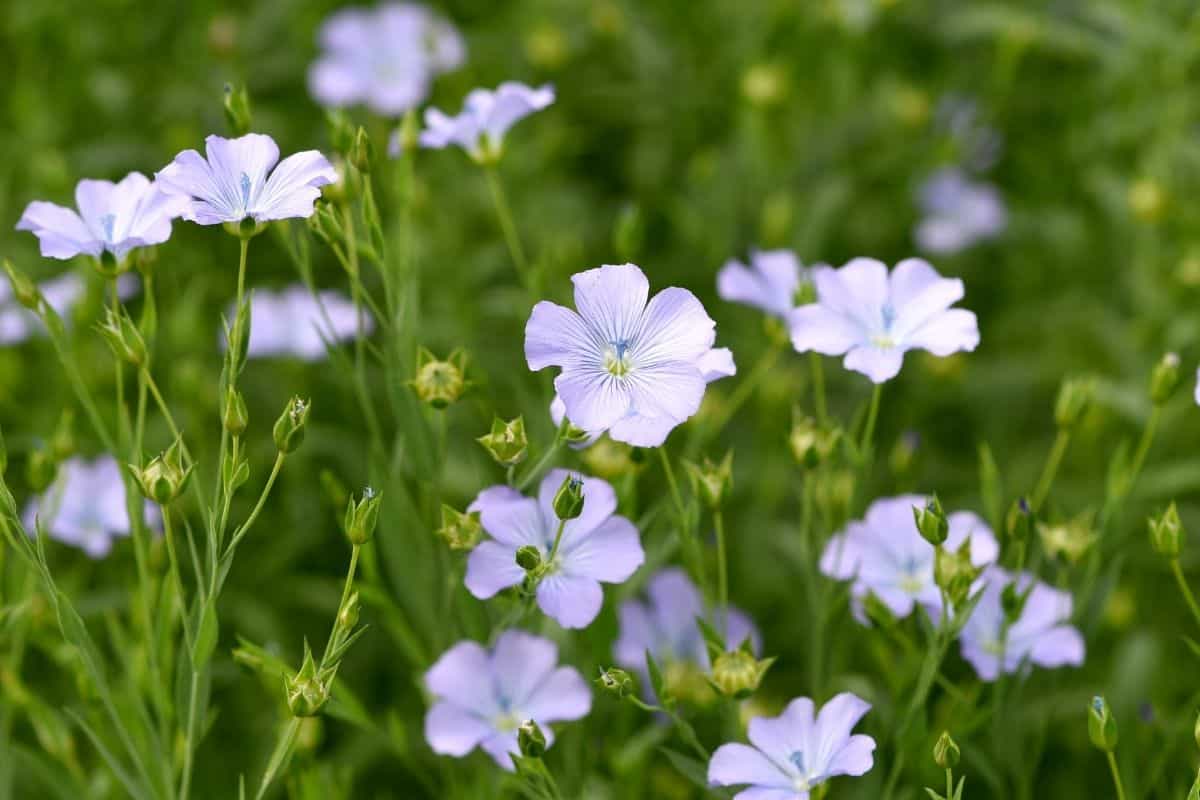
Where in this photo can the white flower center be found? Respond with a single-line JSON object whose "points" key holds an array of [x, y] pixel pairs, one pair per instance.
{"points": [[802, 783], [107, 222], [617, 359], [884, 339]]}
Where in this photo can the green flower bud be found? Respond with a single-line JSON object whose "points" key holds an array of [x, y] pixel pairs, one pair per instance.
{"points": [[40, 470], [811, 443], [954, 573], [236, 102], [289, 428], [1166, 533], [348, 614], [460, 531], [616, 681], [568, 500], [931, 522], [529, 558], [439, 383], [1102, 727], [62, 442], [738, 673], [506, 442], [341, 132], [1070, 539], [946, 752], [363, 152], [1164, 380], [1020, 521], [306, 692], [711, 482], [24, 289], [123, 337], [531, 740], [361, 517], [164, 478], [1074, 396], [234, 415]]}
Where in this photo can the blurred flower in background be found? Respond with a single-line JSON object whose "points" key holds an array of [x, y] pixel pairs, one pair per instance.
{"points": [[294, 322], [62, 293], [958, 212], [485, 117], [771, 282]]}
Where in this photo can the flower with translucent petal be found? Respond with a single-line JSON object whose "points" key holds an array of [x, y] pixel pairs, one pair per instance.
{"points": [[665, 625], [486, 116], [597, 546], [792, 754], [874, 318], [1040, 635], [61, 293], [633, 368], [383, 57], [85, 506], [243, 178], [294, 322], [483, 696], [770, 282], [958, 212], [112, 217], [884, 553]]}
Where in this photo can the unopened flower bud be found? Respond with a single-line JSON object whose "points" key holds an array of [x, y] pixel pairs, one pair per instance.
{"points": [[1164, 380], [946, 752], [738, 673], [531, 740], [529, 558], [123, 337], [40, 470], [439, 383], [617, 681], [234, 415], [164, 478], [460, 531], [1102, 727], [931, 521], [289, 428], [363, 152], [348, 614], [1166, 533], [954, 573], [711, 482], [1070, 539], [305, 691], [1020, 520], [1074, 395], [361, 517], [236, 102], [24, 289], [811, 442], [568, 500], [506, 441]]}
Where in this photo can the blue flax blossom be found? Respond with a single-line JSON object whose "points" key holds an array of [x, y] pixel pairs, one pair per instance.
{"points": [[1040, 634], [483, 696], [62, 293], [486, 116], [794, 753], [633, 368], [770, 282], [243, 178], [598, 546], [383, 57], [884, 553], [874, 318], [292, 322], [665, 625], [112, 217], [85, 506], [958, 212]]}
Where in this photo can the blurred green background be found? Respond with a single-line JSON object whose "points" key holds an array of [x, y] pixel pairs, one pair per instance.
{"points": [[686, 132]]}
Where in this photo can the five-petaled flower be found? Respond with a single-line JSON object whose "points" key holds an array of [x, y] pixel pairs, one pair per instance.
{"points": [[294, 322], [240, 179], [485, 117], [875, 318], [958, 212], [384, 57], [596, 546], [885, 554], [771, 282], [1040, 634], [112, 217], [85, 506], [484, 696], [632, 368], [794, 753]]}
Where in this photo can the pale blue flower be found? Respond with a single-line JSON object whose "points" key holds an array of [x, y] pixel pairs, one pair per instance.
{"points": [[957, 212], [770, 282], [486, 116], [482, 696]]}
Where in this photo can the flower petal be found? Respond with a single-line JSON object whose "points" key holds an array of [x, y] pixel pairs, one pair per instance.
{"points": [[637, 635], [60, 231], [240, 166], [823, 330], [294, 187], [675, 327], [611, 299], [564, 695], [610, 553], [594, 399], [454, 731], [573, 601], [1058, 647], [717, 363], [835, 721], [855, 758], [790, 732], [511, 522], [642, 431], [917, 292], [878, 364], [557, 336], [503, 746], [520, 663], [461, 676], [492, 567], [947, 332], [738, 764], [672, 389], [335, 82]]}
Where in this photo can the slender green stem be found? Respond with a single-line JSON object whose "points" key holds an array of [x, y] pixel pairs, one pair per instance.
{"points": [[1184, 590], [507, 226], [1116, 774], [244, 528], [949, 784], [533, 472], [346, 589], [189, 737], [241, 280], [722, 574], [676, 497], [818, 381], [869, 428], [283, 749], [1050, 470], [562, 524]]}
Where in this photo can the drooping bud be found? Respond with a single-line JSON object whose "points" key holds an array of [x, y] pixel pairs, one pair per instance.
{"points": [[236, 102], [946, 752], [123, 337], [24, 289], [234, 415], [164, 478], [460, 531], [568, 500], [811, 442], [528, 557], [711, 482], [363, 152], [506, 441], [531, 740], [616, 681], [1164, 380], [931, 521], [1102, 726], [1020, 521], [439, 383], [289, 428], [1074, 396], [361, 517], [305, 691], [1166, 533], [1070, 539]]}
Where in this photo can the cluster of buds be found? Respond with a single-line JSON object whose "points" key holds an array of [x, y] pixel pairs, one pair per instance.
{"points": [[289, 428], [164, 478], [711, 482], [460, 531], [440, 383], [506, 442], [361, 517]]}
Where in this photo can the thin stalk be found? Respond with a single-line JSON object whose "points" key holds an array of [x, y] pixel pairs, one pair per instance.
{"points": [[1184, 590], [283, 748], [562, 524], [818, 380], [676, 497], [1050, 470], [533, 472], [507, 226], [244, 528], [1116, 774], [722, 574], [869, 428]]}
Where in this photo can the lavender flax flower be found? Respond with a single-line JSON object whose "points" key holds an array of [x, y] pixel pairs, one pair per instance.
{"points": [[596, 546], [292, 322], [875, 318], [483, 696], [665, 625], [770, 283], [631, 368], [884, 553], [794, 753], [113, 218], [958, 212], [240, 179], [384, 57], [486, 116], [1040, 635], [85, 506]]}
